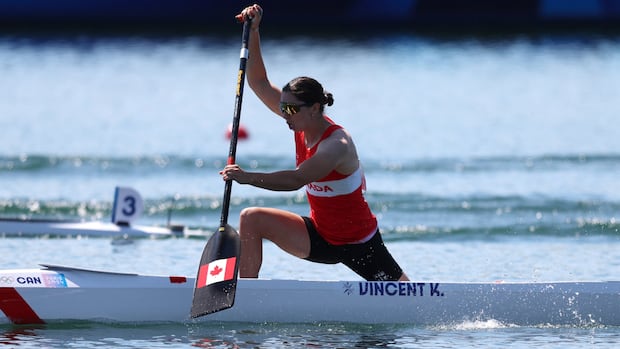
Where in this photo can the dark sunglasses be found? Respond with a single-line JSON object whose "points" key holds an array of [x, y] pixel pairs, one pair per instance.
{"points": [[291, 109]]}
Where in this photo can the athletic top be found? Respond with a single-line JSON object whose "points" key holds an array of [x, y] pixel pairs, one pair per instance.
{"points": [[338, 209]]}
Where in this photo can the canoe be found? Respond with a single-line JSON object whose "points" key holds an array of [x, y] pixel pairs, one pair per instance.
{"points": [[64, 294], [16, 227], [126, 208]]}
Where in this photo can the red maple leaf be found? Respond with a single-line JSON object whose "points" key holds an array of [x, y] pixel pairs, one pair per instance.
{"points": [[216, 270]]}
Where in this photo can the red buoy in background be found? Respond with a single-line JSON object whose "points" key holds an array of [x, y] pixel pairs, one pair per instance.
{"points": [[243, 132]]}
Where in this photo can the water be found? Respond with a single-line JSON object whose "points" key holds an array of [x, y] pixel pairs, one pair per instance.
{"points": [[486, 159]]}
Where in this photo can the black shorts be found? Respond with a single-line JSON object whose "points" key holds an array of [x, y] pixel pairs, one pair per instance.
{"points": [[370, 260]]}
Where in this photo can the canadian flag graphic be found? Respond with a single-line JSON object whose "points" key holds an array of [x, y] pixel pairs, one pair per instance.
{"points": [[216, 271]]}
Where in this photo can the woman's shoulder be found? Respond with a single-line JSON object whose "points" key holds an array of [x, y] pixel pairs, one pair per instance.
{"points": [[339, 131]]}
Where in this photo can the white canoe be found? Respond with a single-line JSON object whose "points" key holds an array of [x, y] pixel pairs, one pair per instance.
{"points": [[15, 227], [127, 207], [54, 293]]}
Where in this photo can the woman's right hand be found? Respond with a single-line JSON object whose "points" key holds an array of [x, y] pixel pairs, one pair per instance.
{"points": [[254, 12], [235, 173]]}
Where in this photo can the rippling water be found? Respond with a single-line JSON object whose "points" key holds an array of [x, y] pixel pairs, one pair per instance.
{"points": [[467, 197], [486, 159]]}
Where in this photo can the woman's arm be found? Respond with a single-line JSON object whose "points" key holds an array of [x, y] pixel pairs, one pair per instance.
{"points": [[256, 73], [332, 152]]}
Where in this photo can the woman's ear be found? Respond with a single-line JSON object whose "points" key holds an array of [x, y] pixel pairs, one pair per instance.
{"points": [[316, 108]]}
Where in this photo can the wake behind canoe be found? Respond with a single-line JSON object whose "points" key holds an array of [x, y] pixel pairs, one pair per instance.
{"points": [[57, 293]]}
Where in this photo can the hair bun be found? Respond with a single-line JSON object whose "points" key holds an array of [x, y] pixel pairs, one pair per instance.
{"points": [[328, 99]]}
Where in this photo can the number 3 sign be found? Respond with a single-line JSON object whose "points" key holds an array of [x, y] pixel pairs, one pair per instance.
{"points": [[127, 205]]}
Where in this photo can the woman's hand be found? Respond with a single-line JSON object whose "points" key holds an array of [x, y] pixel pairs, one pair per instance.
{"points": [[234, 172], [254, 12]]}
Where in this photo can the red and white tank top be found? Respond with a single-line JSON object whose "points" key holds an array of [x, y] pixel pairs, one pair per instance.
{"points": [[338, 208]]}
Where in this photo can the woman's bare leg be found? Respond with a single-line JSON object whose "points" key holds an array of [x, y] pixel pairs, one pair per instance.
{"points": [[284, 228]]}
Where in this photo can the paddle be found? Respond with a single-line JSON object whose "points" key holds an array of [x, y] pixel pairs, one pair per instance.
{"points": [[216, 282]]}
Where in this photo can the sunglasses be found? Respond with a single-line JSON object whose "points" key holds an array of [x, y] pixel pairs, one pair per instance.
{"points": [[291, 109]]}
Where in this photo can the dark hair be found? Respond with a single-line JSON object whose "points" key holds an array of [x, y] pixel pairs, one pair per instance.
{"points": [[308, 90]]}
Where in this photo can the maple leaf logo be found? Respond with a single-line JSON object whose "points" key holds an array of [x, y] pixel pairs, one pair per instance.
{"points": [[216, 270]]}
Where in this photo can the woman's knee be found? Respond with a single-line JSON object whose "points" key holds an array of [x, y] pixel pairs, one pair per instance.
{"points": [[253, 222], [251, 216]]}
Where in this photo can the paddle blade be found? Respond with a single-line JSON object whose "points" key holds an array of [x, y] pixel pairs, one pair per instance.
{"points": [[216, 282]]}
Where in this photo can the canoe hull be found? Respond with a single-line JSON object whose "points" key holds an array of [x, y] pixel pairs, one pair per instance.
{"points": [[67, 294], [60, 228]]}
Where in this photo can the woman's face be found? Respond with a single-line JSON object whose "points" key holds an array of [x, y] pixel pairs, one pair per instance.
{"points": [[295, 112]]}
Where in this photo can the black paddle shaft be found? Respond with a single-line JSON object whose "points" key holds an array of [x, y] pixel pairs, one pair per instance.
{"points": [[216, 282], [237, 116]]}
